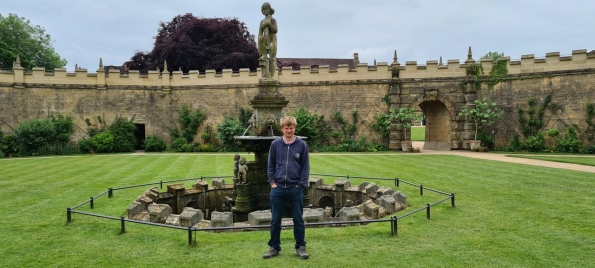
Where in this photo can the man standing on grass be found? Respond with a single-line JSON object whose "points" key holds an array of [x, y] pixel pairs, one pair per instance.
{"points": [[288, 171]]}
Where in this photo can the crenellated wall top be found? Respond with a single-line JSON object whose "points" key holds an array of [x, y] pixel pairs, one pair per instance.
{"points": [[527, 64]]}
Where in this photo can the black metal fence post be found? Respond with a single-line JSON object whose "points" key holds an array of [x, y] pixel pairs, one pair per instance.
{"points": [[68, 215], [452, 200], [398, 182], [91, 202], [189, 235], [110, 192], [421, 190], [122, 221], [392, 226], [396, 225], [428, 211], [160, 184]]}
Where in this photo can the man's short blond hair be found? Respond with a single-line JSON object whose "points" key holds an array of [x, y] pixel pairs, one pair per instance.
{"points": [[288, 121]]}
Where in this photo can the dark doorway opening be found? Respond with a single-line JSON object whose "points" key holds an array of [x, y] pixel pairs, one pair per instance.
{"points": [[140, 136]]}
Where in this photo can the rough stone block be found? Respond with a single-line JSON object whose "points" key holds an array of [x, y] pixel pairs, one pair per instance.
{"points": [[218, 183], [190, 216], [363, 185], [173, 219], [134, 209], [176, 189], [152, 193], [260, 217], [145, 201], [221, 219], [384, 191], [315, 182], [371, 189], [371, 209], [345, 183], [159, 212], [203, 185], [314, 215], [349, 214], [388, 202], [400, 197], [143, 216]]}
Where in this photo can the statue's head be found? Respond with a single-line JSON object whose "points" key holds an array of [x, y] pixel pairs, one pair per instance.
{"points": [[265, 6], [243, 160], [236, 157]]}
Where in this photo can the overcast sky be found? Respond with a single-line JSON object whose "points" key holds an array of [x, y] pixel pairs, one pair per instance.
{"points": [[419, 30]]}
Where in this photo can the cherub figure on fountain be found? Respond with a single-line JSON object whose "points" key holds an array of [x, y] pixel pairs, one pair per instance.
{"points": [[242, 171], [236, 165]]}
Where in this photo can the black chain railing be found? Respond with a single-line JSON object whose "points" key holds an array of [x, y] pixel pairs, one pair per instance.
{"points": [[192, 231]]}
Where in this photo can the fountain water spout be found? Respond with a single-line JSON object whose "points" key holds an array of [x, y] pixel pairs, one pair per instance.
{"points": [[243, 134]]}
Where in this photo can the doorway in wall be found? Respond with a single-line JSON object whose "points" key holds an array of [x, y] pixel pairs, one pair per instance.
{"points": [[140, 136]]}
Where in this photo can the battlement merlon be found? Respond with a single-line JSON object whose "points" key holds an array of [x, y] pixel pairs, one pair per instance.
{"points": [[527, 64]]}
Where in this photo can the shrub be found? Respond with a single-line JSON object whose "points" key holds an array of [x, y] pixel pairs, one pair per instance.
{"points": [[34, 134], [569, 143], [188, 148], [226, 130], [154, 144], [514, 144], [63, 126], [205, 137], [103, 142], [308, 124], [178, 144], [486, 139], [86, 146], [8, 145], [123, 132], [207, 147], [588, 148], [189, 122], [536, 142]]}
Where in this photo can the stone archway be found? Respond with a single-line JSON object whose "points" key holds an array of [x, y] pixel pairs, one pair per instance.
{"points": [[439, 113]]}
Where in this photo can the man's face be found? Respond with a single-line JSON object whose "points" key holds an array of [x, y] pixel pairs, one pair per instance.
{"points": [[288, 131]]}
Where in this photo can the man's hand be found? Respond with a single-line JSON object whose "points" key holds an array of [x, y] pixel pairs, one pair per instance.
{"points": [[274, 185]]}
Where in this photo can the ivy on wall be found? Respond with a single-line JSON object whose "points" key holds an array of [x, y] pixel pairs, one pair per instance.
{"points": [[531, 125]]}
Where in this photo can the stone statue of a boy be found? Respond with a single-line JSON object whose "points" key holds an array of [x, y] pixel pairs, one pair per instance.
{"points": [[267, 41]]}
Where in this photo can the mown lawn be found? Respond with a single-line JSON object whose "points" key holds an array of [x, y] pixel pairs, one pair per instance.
{"points": [[588, 160], [418, 133], [506, 215]]}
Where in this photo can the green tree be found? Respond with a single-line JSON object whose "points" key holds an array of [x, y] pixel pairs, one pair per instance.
{"points": [[29, 42], [485, 112]]}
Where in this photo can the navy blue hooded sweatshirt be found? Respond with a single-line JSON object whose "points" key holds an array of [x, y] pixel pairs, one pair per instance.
{"points": [[288, 164]]}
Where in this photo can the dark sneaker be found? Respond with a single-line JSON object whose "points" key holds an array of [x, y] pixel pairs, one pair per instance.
{"points": [[271, 253], [301, 252]]}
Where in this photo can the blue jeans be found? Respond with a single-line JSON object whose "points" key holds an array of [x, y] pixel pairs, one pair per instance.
{"points": [[295, 197]]}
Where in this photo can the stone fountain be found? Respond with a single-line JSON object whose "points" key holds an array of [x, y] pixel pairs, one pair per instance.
{"points": [[252, 192]]}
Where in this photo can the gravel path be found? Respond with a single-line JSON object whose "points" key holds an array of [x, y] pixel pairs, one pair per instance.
{"points": [[505, 158]]}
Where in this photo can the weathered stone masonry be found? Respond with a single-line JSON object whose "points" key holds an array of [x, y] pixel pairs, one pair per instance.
{"points": [[439, 89]]}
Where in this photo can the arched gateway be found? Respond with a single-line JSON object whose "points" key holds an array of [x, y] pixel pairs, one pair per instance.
{"points": [[439, 113]]}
